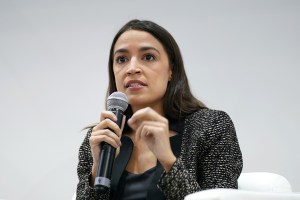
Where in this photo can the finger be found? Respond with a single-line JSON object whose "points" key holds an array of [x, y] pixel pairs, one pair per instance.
{"points": [[147, 128], [108, 124], [145, 114], [107, 114], [96, 140], [106, 132]]}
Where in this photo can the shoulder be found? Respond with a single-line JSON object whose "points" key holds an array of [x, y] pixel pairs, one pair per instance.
{"points": [[209, 116], [208, 124]]}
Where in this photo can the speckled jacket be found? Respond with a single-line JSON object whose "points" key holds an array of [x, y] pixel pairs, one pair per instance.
{"points": [[209, 157]]}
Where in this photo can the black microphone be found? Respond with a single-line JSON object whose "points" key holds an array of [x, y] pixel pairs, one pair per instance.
{"points": [[117, 102]]}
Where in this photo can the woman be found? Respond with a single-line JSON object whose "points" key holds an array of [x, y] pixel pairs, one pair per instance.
{"points": [[171, 145]]}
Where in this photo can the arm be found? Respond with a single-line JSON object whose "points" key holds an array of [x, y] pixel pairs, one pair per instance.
{"points": [[105, 131], [222, 162], [217, 160], [84, 172]]}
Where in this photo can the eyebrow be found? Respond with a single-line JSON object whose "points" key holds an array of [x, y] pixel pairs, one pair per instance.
{"points": [[123, 50]]}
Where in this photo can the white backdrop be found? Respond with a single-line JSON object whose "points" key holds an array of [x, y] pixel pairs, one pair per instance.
{"points": [[242, 57]]}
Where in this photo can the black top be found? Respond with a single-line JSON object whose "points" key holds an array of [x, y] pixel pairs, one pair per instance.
{"points": [[137, 184]]}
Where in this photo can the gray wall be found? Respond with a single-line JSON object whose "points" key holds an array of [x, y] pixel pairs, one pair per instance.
{"points": [[240, 56]]}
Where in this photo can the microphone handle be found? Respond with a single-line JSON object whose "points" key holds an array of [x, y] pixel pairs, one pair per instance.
{"points": [[106, 159]]}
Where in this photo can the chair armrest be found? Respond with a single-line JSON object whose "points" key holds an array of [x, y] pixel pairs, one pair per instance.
{"points": [[233, 194]]}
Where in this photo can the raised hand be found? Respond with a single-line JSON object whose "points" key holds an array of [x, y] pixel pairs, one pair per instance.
{"points": [[106, 131], [153, 129]]}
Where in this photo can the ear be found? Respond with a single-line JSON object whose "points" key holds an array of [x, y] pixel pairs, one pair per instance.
{"points": [[170, 75]]}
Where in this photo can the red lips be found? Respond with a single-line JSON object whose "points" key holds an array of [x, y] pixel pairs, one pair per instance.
{"points": [[133, 83]]}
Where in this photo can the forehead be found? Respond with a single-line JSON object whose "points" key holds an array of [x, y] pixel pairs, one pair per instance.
{"points": [[133, 38]]}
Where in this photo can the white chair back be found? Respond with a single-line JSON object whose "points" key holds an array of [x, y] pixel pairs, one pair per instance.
{"points": [[263, 182]]}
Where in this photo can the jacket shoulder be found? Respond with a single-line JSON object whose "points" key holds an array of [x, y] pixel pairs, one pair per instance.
{"points": [[208, 124], [208, 115]]}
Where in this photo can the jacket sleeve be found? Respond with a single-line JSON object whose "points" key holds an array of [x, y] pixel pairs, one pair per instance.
{"points": [[218, 163], [84, 171]]}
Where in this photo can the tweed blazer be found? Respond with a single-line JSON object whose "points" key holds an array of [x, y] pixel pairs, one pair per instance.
{"points": [[209, 157]]}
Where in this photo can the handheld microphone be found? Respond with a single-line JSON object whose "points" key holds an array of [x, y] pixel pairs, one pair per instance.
{"points": [[117, 102]]}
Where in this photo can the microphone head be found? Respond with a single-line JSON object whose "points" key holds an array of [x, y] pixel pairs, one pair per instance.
{"points": [[117, 100]]}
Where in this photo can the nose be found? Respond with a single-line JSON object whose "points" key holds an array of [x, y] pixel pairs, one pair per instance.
{"points": [[133, 67]]}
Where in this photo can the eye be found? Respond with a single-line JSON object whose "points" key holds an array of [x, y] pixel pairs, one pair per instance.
{"points": [[121, 59], [148, 57]]}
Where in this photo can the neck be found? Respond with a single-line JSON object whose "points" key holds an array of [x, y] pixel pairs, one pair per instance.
{"points": [[157, 108]]}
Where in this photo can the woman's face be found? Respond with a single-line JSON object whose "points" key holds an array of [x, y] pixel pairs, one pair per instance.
{"points": [[141, 69]]}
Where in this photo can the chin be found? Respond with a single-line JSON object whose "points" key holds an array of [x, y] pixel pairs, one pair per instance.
{"points": [[137, 101], [134, 100]]}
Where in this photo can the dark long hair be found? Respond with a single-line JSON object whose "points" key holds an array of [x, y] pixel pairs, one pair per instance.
{"points": [[178, 99]]}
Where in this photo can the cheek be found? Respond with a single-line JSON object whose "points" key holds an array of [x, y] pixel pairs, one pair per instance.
{"points": [[162, 81], [119, 84], [165, 77]]}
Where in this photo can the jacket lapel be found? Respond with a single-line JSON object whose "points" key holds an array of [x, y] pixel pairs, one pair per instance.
{"points": [[120, 165], [121, 162]]}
